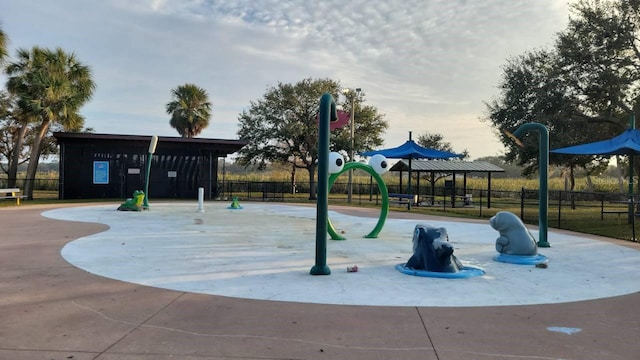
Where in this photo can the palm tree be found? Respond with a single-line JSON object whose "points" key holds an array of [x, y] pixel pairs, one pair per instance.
{"points": [[190, 110], [51, 86], [15, 129], [3, 46]]}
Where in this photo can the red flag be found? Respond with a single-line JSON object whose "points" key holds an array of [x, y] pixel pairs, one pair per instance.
{"points": [[343, 119]]}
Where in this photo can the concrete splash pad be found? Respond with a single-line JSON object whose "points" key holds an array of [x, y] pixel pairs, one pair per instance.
{"points": [[265, 251]]}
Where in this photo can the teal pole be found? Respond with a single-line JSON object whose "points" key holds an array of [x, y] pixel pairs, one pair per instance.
{"points": [[543, 167], [328, 112], [152, 149]]}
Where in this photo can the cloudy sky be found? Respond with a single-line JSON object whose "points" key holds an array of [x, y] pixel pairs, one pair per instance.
{"points": [[428, 65]]}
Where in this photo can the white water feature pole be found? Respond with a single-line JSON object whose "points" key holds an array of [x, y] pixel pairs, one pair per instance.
{"points": [[201, 199]]}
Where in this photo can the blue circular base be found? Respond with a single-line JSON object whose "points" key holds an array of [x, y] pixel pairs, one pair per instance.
{"points": [[521, 259], [234, 208], [465, 272]]}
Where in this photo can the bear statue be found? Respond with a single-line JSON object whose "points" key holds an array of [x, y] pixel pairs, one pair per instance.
{"points": [[515, 238], [432, 251]]}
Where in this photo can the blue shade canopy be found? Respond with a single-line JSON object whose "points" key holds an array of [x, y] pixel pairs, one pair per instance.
{"points": [[627, 143], [411, 150]]}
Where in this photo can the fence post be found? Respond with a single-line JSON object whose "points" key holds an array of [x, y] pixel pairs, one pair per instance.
{"points": [[522, 204], [444, 199], [559, 208]]}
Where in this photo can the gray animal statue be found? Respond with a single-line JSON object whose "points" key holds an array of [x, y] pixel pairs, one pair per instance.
{"points": [[432, 250], [515, 238]]}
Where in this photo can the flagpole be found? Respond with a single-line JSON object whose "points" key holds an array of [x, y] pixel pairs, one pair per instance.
{"points": [[631, 216], [409, 181]]}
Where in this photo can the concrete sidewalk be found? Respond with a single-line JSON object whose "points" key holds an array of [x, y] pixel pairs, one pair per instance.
{"points": [[50, 309]]}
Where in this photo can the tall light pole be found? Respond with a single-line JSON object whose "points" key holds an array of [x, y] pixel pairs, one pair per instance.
{"points": [[152, 149], [351, 94]]}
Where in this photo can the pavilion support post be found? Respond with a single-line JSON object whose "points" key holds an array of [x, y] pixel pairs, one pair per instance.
{"points": [[489, 190], [409, 179], [418, 183], [433, 188], [464, 183], [453, 191]]}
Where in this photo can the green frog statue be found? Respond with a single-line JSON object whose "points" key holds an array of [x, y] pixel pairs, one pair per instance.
{"points": [[235, 204], [133, 204]]}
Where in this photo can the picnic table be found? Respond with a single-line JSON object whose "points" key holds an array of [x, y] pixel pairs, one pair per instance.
{"points": [[10, 194]]}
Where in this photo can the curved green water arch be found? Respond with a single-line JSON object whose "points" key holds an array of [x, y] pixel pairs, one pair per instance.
{"points": [[383, 192]]}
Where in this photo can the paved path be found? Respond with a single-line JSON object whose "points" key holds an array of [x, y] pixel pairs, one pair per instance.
{"points": [[50, 309]]}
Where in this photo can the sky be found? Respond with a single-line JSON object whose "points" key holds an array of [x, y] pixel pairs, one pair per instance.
{"points": [[427, 65]]}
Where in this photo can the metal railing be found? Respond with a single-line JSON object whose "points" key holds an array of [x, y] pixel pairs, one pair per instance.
{"points": [[601, 213]]}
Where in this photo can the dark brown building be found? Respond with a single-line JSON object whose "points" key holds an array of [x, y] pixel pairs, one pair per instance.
{"points": [[114, 166]]}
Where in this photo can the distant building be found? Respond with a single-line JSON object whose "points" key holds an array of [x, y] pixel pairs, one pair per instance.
{"points": [[113, 166]]}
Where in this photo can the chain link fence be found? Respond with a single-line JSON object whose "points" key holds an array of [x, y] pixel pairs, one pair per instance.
{"points": [[600, 213]]}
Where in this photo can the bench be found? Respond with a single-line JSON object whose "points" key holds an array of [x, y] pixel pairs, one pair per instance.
{"points": [[402, 199], [427, 200], [11, 193], [613, 210], [618, 212]]}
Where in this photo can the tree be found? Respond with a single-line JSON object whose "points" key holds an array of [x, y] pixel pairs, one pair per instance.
{"points": [[600, 52], [534, 90], [436, 141], [190, 110], [282, 127], [583, 89], [510, 170], [369, 125], [51, 87], [12, 134], [17, 137], [3, 46]]}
